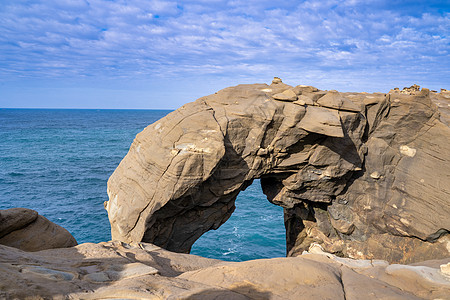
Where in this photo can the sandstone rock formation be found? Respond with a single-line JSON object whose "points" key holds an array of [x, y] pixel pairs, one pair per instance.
{"points": [[363, 175], [23, 228], [117, 270]]}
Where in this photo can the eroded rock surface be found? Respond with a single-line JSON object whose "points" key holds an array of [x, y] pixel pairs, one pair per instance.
{"points": [[363, 175], [116, 270], [25, 229]]}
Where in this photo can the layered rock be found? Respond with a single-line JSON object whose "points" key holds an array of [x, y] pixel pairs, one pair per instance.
{"points": [[363, 175], [25, 229], [144, 271]]}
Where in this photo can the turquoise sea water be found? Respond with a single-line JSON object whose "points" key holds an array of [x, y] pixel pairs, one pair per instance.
{"points": [[57, 162]]}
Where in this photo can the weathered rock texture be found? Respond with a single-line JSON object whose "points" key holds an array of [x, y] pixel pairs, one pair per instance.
{"points": [[116, 270], [364, 175], [23, 228]]}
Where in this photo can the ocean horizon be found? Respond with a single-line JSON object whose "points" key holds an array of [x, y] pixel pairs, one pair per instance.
{"points": [[57, 161]]}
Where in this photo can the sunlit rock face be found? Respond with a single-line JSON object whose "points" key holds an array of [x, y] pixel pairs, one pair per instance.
{"points": [[117, 270], [363, 175], [25, 229]]}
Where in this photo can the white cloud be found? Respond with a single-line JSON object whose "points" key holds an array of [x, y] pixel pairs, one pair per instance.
{"points": [[119, 38]]}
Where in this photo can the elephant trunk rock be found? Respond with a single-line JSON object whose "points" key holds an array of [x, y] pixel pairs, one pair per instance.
{"points": [[363, 175]]}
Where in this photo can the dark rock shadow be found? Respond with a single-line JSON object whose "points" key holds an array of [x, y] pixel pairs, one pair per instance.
{"points": [[93, 272], [180, 222], [238, 293]]}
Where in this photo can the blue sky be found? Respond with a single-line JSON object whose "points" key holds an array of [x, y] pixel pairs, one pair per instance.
{"points": [[162, 54]]}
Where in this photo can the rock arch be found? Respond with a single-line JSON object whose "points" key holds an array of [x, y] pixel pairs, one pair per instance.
{"points": [[317, 153]]}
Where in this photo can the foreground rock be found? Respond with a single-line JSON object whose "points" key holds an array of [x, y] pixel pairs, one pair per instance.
{"points": [[144, 271], [363, 175], [25, 229]]}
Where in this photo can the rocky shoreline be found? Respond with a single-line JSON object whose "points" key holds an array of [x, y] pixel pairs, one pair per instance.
{"points": [[117, 270], [363, 180]]}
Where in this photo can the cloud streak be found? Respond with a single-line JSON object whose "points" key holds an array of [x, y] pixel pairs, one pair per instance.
{"points": [[345, 40]]}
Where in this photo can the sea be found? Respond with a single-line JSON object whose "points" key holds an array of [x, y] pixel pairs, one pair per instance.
{"points": [[57, 162]]}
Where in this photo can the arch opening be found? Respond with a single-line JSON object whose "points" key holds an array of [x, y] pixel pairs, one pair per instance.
{"points": [[255, 230]]}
